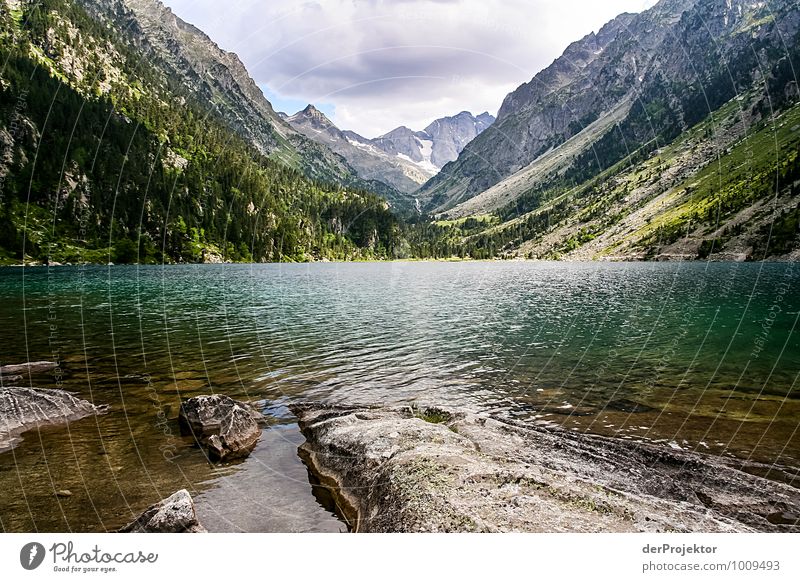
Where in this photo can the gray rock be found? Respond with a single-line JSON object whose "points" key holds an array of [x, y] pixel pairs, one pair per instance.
{"points": [[444, 138], [23, 409], [402, 158], [449, 135], [175, 514], [29, 367], [405, 470], [225, 427]]}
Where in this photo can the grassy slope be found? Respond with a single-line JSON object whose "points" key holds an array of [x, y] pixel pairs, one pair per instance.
{"points": [[714, 190]]}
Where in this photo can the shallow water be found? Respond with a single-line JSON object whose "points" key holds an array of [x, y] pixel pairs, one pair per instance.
{"points": [[698, 356]]}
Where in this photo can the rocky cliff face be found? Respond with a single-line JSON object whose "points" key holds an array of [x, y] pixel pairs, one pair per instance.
{"points": [[645, 77], [189, 57], [402, 141], [437, 144], [450, 135]]}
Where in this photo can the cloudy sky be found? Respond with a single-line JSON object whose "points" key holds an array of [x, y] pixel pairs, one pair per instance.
{"points": [[373, 65]]}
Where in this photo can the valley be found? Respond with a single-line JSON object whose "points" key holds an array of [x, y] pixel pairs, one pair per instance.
{"points": [[641, 142]]}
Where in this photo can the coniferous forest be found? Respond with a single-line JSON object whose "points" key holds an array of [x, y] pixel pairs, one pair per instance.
{"points": [[140, 173]]}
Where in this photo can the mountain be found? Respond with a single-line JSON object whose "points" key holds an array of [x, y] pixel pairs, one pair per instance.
{"points": [[437, 144], [410, 145], [451, 134], [644, 75], [127, 135], [370, 162], [187, 57], [402, 158], [617, 149]]}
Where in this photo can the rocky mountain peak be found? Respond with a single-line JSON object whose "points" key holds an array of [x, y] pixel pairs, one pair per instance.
{"points": [[313, 117], [403, 158], [312, 111], [437, 144], [398, 133]]}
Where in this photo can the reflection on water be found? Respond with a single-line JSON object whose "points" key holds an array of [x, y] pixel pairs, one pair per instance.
{"points": [[698, 356]]}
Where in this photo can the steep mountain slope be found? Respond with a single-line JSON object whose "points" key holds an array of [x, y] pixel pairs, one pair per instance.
{"points": [[188, 57], [728, 189], [106, 155], [686, 150], [404, 143], [449, 135], [642, 79]]}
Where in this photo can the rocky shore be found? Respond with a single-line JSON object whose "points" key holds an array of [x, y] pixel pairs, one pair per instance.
{"points": [[408, 469], [432, 470]]}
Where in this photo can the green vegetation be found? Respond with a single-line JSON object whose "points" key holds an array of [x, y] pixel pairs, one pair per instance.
{"points": [[764, 165], [103, 158], [106, 164], [433, 415], [761, 168]]}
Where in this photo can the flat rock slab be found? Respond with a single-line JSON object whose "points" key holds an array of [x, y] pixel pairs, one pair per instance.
{"points": [[23, 409], [226, 428], [28, 368], [175, 514], [433, 470]]}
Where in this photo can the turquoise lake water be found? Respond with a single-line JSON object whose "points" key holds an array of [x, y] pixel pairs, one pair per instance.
{"points": [[693, 355]]}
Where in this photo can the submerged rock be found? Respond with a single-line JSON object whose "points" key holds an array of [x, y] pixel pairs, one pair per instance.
{"points": [[225, 427], [23, 409], [407, 470], [175, 514], [29, 367]]}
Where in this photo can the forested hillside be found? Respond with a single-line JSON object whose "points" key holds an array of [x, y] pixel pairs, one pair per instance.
{"points": [[103, 158]]}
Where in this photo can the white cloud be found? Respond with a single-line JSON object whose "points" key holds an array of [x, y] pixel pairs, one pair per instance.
{"points": [[384, 63]]}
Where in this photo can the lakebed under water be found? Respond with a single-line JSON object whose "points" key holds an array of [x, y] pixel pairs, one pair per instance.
{"points": [[701, 356]]}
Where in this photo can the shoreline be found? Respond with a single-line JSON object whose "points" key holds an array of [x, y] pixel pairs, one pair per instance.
{"points": [[781, 259]]}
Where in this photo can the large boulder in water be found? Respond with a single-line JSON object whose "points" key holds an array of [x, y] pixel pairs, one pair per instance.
{"points": [[23, 409], [175, 514], [225, 427]]}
